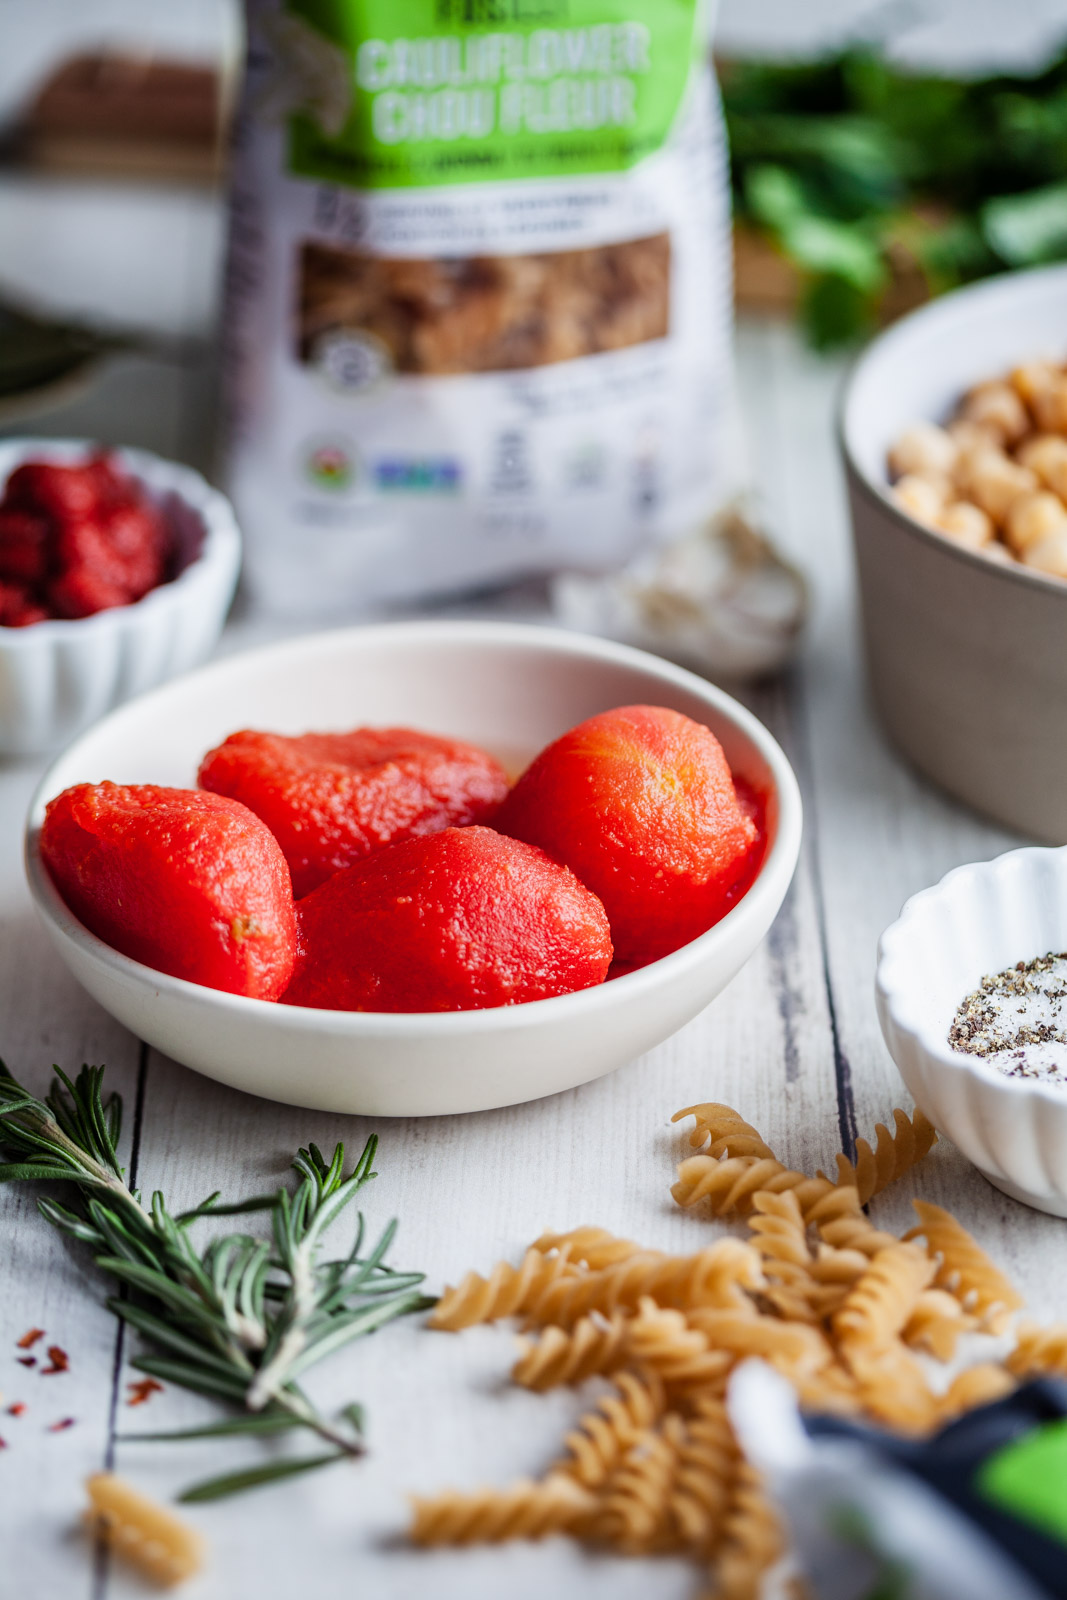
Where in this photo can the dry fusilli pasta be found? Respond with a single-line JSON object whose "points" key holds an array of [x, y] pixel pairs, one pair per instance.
{"points": [[660, 1340], [505, 1292], [895, 1154], [596, 1344], [490, 1516], [1039, 1351], [883, 1299], [707, 1463], [936, 1323], [818, 1292], [150, 1536], [603, 1436], [592, 1247], [976, 1386], [727, 1130], [964, 1269], [790, 1346], [634, 1512], [751, 1541], [707, 1278]]}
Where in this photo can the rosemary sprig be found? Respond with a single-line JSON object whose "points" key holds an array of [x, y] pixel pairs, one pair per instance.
{"points": [[239, 1320]]}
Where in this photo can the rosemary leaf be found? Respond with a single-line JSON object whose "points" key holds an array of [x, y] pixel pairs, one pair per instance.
{"points": [[255, 1477], [255, 1422]]}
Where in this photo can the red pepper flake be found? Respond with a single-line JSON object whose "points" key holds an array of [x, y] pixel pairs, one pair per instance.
{"points": [[17, 1409], [58, 1427], [59, 1359], [3, 1444], [30, 1338], [142, 1391], [26, 1361]]}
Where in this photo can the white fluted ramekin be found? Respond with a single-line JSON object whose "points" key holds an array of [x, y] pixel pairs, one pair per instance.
{"points": [[979, 919], [58, 677]]}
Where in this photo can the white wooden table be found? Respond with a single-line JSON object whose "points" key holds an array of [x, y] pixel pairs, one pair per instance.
{"points": [[793, 1043]]}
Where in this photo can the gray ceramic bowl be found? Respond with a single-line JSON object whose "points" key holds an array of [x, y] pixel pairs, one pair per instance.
{"points": [[967, 659]]}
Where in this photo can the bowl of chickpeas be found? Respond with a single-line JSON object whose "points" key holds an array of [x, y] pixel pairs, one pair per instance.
{"points": [[953, 430]]}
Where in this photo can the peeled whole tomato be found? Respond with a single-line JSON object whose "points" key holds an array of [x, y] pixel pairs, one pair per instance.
{"points": [[452, 922], [332, 798], [640, 803], [189, 883]]}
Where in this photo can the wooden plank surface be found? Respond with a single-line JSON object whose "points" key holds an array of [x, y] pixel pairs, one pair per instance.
{"points": [[793, 1042]]}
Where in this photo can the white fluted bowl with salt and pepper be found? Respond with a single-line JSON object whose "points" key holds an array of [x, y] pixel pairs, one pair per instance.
{"points": [[59, 676], [982, 919]]}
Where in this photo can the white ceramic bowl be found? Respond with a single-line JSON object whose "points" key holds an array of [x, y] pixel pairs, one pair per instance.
{"points": [[966, 657], [981, 918], [58, 677], [508, 687]]}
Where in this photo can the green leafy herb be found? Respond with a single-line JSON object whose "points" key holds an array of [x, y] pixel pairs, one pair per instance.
{"points": [[240, 1319], [857, 171]]}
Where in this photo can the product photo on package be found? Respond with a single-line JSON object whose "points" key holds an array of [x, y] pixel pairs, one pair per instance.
{"points": [[478, 292]]}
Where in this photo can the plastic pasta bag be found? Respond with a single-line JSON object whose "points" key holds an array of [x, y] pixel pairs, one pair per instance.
{"points": [[478, 293], [977, 1511]]}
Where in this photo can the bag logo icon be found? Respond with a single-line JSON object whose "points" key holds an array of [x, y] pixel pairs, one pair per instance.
{"points": [[351, 360]]}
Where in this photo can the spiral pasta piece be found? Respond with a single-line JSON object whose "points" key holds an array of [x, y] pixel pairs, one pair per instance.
{"points": [[505, 1292], [751, 1542], [789, 1346], [732, 1184], [894, 1154], [709, 1277], [728, 1132], [979, 1385], [963, 1267], [149, 1536], [634, 1512], [1039, 1351], [603, 1436], [707, 1464], [592, 1247], [840, 1266], [892, 1386], [838, 1216], [884, 1298], [526, 1510], [596, 1344], [780, 1237], [936, 1322], [832, 1389], [660, 1340]]}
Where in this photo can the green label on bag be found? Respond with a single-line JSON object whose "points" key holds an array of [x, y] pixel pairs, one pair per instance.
{"points": [[1028, 1478], [390, 94]]}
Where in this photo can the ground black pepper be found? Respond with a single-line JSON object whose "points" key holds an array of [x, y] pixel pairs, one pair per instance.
{"points": [[1017, 1019]]}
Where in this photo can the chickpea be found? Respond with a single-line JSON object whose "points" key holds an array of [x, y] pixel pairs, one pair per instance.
{"points": [[997, 406], [993, 481], [1034, 383], [971, 435], [921, 498], [968, 525], [998, 553], [1050, 554], [1046, 454], [1032, 517], [1050, 408], [923, 448]]}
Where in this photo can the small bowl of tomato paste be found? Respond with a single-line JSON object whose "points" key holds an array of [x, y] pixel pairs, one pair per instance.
{"points": [[117, 569], [377, 1018]]}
